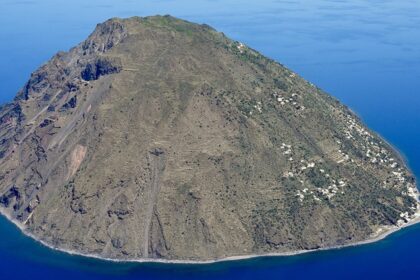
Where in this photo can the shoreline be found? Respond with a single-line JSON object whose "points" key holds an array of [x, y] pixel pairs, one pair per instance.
{"points": [[386, 231]]}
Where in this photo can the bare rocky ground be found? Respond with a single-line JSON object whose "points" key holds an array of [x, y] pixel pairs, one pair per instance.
{"points": [[160, 138]]}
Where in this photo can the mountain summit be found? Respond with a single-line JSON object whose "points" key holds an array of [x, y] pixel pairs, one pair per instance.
{"points": [[157, 138]]}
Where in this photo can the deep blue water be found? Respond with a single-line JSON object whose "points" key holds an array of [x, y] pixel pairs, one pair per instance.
{"points": [[365, 52]]}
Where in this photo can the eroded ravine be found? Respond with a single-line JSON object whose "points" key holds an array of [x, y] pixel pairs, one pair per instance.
{"points": [[157, 161]]}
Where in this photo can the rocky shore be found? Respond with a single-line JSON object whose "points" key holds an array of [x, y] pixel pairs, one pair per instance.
{"points": [[381, 234]]}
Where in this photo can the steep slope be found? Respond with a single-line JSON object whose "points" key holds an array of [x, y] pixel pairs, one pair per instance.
{"points": [[160, 138]]}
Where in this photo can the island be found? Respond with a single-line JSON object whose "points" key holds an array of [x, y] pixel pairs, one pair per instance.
{"points": [[157, 139]]}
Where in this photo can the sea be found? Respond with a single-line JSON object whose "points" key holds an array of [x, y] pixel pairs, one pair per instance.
{"points": [[364, 52]]}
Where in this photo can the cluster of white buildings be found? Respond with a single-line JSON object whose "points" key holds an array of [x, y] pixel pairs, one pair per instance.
{"points": [[292, 100]]}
